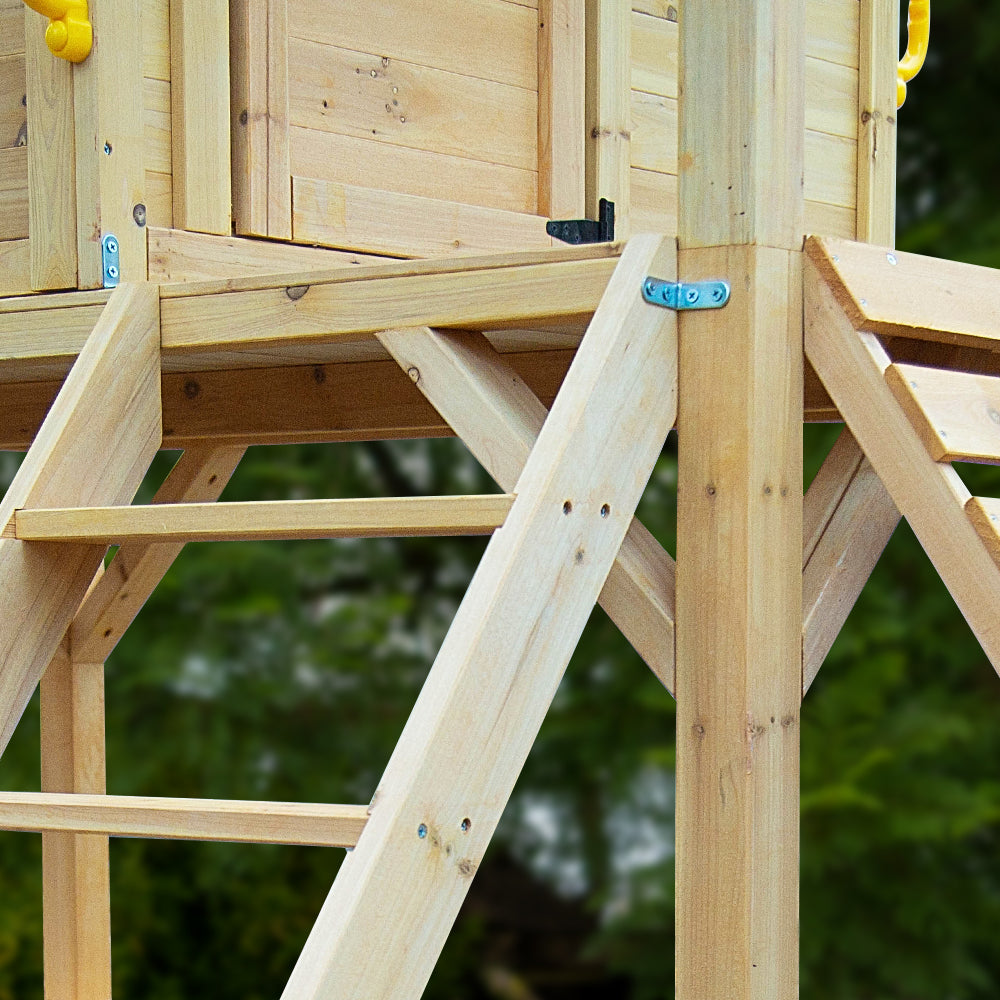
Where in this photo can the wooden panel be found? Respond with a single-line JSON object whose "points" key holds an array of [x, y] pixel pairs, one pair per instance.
{"points": [[13, 115], [15, 267], [156, 40], [831, 98], [345, 160], [832, 220], [832, 30], [159, 199], [910, 295], [176, 255], [500, 665], [654, 202], [831, 169], [368, 96], [157, 127], [356, 218], [11, 28], [957, 415], [51, 162], [94, 447], [654, 133], [14, 193], [654, 55], [76, 894], [561, 108], [241, 822], [397, 517], [110, 175], [484, 38], [199, 73]]}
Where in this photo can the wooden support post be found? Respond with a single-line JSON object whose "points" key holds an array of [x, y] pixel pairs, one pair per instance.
{"points": [[94, 447], [739, 544], [76, 897], [199, 101], [51, 161], [561, 112], [110, 174], [397, 895], [609, 128]]}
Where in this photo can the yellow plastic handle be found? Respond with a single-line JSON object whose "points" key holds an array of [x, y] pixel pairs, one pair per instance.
{"points": [[69, 34], [918, 36]]}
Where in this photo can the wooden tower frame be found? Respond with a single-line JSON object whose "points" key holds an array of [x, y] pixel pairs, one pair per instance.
{"points": [[274, 247]]}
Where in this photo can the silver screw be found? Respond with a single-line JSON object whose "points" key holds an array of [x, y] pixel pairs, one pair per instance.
{"points": [[691, 296], [112, 246], [112, 271], [422, 831], [891, 258], [864, 303]]}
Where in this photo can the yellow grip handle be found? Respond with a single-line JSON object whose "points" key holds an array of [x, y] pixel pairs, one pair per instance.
{"points": [[918, 36], [69, 34]]}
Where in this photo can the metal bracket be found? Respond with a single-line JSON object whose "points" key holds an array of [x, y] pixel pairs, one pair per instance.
{"points": [[578, 231], [693, 295], [109, 260]]}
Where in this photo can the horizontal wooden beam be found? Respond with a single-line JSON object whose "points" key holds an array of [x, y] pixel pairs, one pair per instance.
{"points": [[891, 293], [236, 821], [277, 519]]}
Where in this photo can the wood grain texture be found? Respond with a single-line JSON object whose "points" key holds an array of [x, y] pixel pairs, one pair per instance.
{"points": [[199, 92], [15, 267], [929, 495], [248, 107], [367, 219], [396, 517], [956, 414], [561, 159], [14, 193], [279, 171], [498, 418], [51, 162], [489, 689], [94, 447], [235, 821], [76, 893]]}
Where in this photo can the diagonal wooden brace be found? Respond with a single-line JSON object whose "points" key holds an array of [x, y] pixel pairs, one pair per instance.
{"points": [[432, 817]]}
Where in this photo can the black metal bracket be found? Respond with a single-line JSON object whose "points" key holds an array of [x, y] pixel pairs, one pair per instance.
{"points": [[577, 231]]}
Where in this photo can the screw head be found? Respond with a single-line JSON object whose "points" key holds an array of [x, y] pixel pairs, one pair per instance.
{"points": [[112, 271], [891, 258], [422, 831], [111, 245], [691, 296]]}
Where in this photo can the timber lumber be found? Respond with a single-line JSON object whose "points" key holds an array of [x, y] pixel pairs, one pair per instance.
{"points": [[984, 512], [76, 882], [848, 519], [133, 574], [236, 821], [930, 495], [180, 523], [498, 669], [499, 418], [94, 447]]}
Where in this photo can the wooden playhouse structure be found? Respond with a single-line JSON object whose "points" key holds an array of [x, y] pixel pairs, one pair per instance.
{"points": [[263, 221]]}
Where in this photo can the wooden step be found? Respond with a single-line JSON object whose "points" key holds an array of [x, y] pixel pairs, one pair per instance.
{"points": [[236, 821], [984, 512], [280, 519], [957, 415]]}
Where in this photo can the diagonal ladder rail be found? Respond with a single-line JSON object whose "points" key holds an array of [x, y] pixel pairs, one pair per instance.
{"points": [[397, 894]]}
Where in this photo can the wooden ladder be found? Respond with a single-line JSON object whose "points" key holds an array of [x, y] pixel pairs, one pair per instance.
{"points": [[908, 349], [564, 537]]}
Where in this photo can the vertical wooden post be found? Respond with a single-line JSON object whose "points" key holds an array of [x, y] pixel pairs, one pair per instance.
{"points": [[76, 883], [110, 174], [739, 550], [51, 162], [877, 122], [609, 129]]}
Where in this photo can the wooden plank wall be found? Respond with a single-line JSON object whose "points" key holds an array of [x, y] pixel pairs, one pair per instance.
{"points": [[14, 258], [831, 115], [156, 111]]}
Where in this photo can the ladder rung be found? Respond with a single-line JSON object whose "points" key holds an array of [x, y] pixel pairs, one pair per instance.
{"points": [[236, 821], [956, 414], [281, 519]]}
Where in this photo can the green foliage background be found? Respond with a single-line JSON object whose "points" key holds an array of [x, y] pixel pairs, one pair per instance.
{"points": [[285, 671]]}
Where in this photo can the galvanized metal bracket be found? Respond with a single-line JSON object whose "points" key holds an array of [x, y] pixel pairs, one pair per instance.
{"points": [[680, 295], [110, 261]]}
